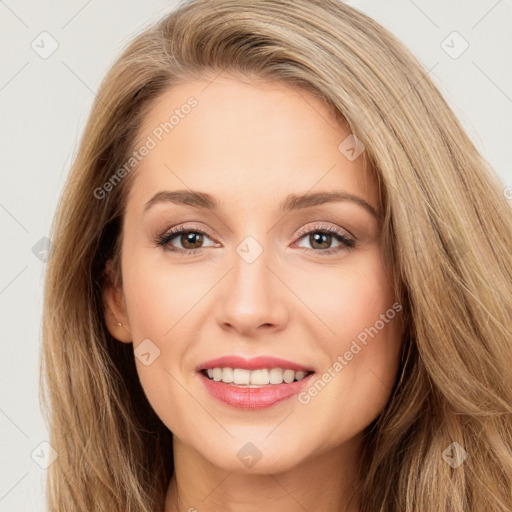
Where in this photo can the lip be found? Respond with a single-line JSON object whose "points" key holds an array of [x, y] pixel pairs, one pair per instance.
{"points": [[256, 363], [253, 398]]}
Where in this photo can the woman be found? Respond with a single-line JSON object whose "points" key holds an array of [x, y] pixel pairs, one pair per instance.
{"points": [[281, 278]]}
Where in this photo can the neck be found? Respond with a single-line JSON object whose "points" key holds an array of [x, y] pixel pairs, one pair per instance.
{"points": [[324, 482]]}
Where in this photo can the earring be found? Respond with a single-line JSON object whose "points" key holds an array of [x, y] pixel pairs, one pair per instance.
{"points": [[120, 324]]}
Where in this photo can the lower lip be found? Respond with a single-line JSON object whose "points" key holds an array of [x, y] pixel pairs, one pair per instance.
{"points": [[253, 398]]}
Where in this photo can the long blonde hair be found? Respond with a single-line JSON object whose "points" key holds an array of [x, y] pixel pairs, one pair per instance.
{"points": [[447, 232]]}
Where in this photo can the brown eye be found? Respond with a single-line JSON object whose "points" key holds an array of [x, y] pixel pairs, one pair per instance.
{"points": [[321, 240], [191, 240], [183, 240]]}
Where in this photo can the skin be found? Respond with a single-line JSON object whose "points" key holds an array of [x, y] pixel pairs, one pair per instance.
{"points": [[250, 143]]}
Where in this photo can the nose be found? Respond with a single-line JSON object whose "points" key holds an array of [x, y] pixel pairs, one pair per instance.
{"points": [[253, 298]]}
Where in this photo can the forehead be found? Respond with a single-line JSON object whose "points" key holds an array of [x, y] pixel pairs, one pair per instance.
{"points": [[255, 139]]}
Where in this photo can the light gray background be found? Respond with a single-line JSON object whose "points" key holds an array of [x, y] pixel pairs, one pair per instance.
{"points": [[45, 103]]}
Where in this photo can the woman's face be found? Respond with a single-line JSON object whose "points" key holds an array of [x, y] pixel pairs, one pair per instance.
{"points": [[266, 273]]}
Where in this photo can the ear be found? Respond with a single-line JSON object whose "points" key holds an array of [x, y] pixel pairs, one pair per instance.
{"points": [[114, 307]]}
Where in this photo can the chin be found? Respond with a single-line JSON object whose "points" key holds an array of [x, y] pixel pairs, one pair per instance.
{"points": [[256, 454]]}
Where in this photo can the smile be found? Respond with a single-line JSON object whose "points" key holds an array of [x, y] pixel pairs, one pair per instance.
{"points": [[253, 383]]}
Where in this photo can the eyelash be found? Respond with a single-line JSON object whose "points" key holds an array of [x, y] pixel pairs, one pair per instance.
{"points": [[163, 240]]}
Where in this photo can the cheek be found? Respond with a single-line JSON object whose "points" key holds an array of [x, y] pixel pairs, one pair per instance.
{"points": [[355, 384], [348, 299], [160, 302], [159, 296], [362, 342]]}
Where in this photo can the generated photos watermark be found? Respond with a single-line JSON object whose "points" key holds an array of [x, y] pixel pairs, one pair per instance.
{"points": [[344, 359], [157, 135]]}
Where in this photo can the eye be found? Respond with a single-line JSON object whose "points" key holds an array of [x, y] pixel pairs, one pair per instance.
{"points": [[190, 239], [321, 238]]}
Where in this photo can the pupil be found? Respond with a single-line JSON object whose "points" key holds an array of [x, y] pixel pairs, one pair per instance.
{"points": [[317, 237], [188, 239]]}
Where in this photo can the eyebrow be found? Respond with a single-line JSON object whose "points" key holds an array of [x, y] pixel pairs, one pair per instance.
{"points": [[292, 202]]}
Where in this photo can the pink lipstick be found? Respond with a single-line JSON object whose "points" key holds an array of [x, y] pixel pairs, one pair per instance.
{"points": [[253, 383]]}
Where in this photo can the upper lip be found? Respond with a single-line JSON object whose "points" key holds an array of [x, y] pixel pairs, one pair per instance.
{"points": [[256, 363]]}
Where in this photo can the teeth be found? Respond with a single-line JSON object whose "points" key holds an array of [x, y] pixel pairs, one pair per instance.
{"points": [[241, 376], [276, 376], [254, 378], [288, 376], [259, 377], [227, 375]]}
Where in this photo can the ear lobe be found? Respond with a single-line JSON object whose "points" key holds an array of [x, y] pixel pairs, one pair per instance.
{"points": [[114, 307]]}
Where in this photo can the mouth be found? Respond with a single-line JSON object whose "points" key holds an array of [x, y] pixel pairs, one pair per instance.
{"points": [[254, 383]]}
